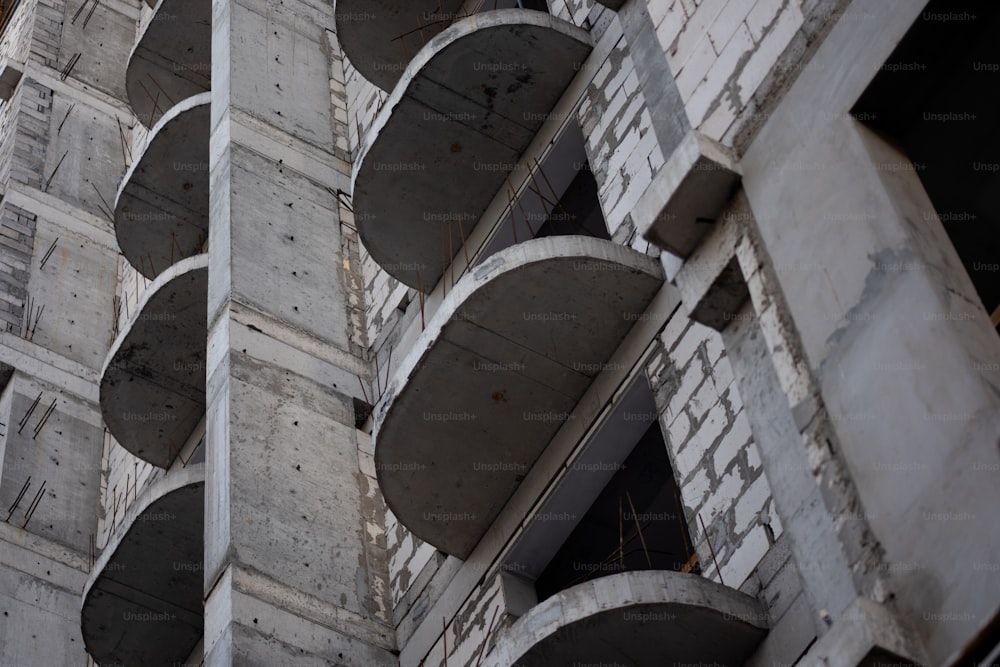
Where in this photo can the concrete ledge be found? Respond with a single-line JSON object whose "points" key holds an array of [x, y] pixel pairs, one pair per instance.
{"points": [[612, 4], [171, 60], [870, 635], [711, 282], [380, 36], [646, 619], [142, 604], [161, 212], [496, 373], [687, 195], [446, 140], [153, 382]]}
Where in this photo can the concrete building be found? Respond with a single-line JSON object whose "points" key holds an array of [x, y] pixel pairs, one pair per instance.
{"points": [[499, 332]]}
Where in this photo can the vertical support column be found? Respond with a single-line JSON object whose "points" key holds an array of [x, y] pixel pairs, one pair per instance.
{"points": [[287, 577], [899, 344]]}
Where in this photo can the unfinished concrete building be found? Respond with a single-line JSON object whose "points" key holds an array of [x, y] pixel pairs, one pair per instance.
{"points": [[499, 332]]}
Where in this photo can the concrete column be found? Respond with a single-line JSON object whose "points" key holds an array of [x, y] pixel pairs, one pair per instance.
{"points": [[891, 326], [289, 572]]}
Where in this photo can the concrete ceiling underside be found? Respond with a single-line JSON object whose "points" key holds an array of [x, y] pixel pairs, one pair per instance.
{"points": [[457, 122], [142, 605], [171, 60], [153, 382], [161, 213], [380, 37], [647, 619], [496, 372]]}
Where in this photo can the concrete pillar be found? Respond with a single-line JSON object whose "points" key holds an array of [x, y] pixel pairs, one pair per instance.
{"points": [[899, 343], [289, 572]]}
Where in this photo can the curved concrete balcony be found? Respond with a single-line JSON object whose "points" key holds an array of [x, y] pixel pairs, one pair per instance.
{"points": [[646, 619], [142, 605], [446, 140], [380, 37], [496, 372], [171, 60], [153, 382], [161, 213]]}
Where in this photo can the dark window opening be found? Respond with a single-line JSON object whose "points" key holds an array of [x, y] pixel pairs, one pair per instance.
{"points": [[579, 210], [613, 537], [537, 5], [560, 198], [938, 98]]}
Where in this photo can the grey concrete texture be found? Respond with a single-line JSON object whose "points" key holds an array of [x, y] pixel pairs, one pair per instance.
{"points": [[646, 619], [496, 373], [380, 36], [161, 213], [61, 449], [687, 195], [452, 131], [142, 604], [40, 598], [153, 382], [895, 347], [171, 60]]}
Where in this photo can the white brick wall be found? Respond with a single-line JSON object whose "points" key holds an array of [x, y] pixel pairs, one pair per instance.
{"points": [[720, 51], [711, 447]]}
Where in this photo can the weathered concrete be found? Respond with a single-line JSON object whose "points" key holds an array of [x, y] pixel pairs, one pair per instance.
{"points": [[161, 213], [687, 195], [380, 36], [916, 420], [142, 603], [646, 619], [453, 129], [171, 60], [495, 374], [153, 383]]}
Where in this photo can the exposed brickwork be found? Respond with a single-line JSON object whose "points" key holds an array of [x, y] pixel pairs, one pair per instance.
{"points": [[621, 146], [17, 233], [715, 461]]}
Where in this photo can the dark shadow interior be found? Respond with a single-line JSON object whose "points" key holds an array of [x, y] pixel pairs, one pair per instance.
{"points": [[610, 537], [938, 98]]}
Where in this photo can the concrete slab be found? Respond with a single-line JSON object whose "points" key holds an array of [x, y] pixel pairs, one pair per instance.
{"points": [[171, 60], [646, 619], [161, 213], [497, 371], [142, 605], [451, 132], [153, 382], [380, 36], [687, 195]]}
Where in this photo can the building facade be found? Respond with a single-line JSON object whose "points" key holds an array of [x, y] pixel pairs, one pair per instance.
{"points": [[499, 332]]}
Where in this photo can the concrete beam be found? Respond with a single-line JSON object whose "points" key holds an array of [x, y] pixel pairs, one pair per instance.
{"points": [[446, 140], [496, 373], [171, 60], [687, 195], [161, 213], [380, 36], [142, 604], [868, 635], [153, 382], [612, 4], [646, 619]]}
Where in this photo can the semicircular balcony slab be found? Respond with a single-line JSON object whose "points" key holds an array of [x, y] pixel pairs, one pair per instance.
{"points": [[161, 213], [495, 373], [380, 37], [153, 382], [451, 132], [171, 60], [142, 605], [646, 619]]}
